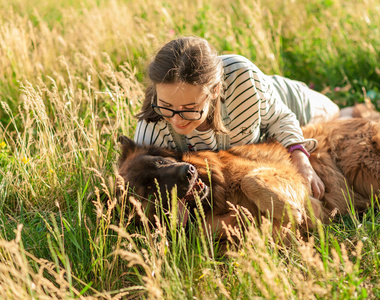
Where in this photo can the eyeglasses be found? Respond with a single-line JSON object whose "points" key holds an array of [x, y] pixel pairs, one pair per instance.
{"points": [[189, 115]]}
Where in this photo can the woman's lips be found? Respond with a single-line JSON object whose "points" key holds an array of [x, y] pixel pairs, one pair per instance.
{"points": [[182, 126]]}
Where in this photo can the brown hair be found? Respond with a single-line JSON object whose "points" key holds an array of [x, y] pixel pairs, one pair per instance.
{"points": [[188, 60]]}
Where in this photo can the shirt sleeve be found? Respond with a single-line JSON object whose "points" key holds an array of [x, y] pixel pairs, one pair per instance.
{"points": [[277, 120]]}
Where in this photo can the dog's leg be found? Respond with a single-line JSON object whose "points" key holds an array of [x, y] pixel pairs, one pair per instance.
{"points": [[281, 193], [215, 223]]}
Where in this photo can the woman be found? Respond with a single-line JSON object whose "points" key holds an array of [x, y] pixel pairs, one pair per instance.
{"points": [[198, 100]]}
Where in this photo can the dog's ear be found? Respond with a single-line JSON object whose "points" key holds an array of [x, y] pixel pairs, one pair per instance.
{"points": [[125, 140], [128, 146]]}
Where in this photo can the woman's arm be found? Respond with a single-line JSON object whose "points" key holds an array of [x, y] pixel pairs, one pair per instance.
{"points": [[301, 160]]}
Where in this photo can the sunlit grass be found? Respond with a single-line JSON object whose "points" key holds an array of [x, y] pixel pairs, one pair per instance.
{"points": [[72, 77]]}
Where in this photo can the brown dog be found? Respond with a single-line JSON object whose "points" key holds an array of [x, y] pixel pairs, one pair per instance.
{"points": [[261, 177]]}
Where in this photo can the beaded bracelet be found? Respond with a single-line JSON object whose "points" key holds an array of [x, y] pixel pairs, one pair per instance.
{"points": [[298, 147]]}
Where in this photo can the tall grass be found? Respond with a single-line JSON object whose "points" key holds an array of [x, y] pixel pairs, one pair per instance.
{"points": [[72, 77]]}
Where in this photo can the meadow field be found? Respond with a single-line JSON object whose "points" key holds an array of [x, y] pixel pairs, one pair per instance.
{"points": [[72, 77]]}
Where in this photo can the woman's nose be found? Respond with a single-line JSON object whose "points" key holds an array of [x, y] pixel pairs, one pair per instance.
{"points": [[177, 118]]}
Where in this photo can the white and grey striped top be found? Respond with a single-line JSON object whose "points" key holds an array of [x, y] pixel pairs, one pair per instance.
{"points": [[253, 105]]}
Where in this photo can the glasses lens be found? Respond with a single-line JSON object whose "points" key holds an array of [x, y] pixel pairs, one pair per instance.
{"points": [[163, 111], [168, 113], [191, 115]]}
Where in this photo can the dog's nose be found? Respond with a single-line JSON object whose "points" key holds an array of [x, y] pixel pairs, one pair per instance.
{"points": [[190, 171]]}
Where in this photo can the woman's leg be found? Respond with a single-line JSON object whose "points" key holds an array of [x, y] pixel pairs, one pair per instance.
{"points": [[346, 113], [308, 105], [322, 109]]}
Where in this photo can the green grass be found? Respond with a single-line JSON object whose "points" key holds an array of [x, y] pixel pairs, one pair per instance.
{"points": [[73, 76]]}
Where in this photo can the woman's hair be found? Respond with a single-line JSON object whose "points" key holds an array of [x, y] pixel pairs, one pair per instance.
{"points": [[189, 60]]}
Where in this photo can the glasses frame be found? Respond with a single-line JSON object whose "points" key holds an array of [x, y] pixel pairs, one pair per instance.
{"points": [[180, 112]]}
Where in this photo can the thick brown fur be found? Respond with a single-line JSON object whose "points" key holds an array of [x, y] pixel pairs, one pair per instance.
{"points": [[262, 177]]}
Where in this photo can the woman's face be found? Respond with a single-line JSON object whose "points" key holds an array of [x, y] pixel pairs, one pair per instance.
{"points": [[179, 97]]}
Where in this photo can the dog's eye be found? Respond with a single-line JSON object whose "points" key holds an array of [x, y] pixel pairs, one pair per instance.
{"points": [[160, 161]]}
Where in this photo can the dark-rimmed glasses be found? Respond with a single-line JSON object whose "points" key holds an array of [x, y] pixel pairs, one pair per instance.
{"points": [[189, 115]]}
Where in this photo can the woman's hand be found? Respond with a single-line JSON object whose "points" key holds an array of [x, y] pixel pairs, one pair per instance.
{"points": [[304, 167]]}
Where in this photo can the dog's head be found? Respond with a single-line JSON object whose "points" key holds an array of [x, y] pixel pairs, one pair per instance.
{"points": [[151, 172]]}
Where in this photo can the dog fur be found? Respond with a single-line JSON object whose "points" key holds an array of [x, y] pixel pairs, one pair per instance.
{"points": [[261, 177]]}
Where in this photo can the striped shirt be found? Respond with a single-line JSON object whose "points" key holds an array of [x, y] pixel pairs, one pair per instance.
{"points": [[254, 107]]}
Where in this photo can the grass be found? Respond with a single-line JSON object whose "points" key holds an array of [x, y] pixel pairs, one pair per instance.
{"points": [[73, 76]]}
